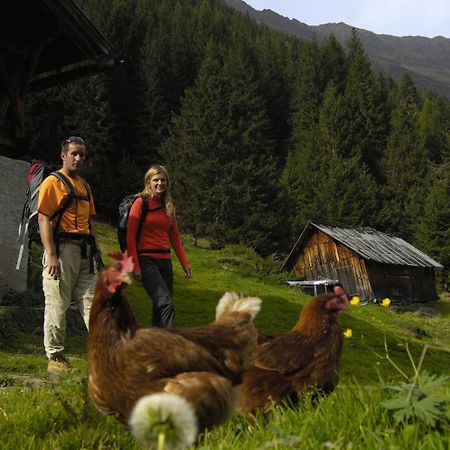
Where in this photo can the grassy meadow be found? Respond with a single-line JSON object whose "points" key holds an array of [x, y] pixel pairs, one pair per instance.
{"points": [[376, 406]]}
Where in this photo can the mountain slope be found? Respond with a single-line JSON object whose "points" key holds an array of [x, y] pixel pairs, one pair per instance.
{"points": [[426, 60]]}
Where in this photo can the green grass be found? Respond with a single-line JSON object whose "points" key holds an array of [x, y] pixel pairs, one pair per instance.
{"points": [[37, 412]]}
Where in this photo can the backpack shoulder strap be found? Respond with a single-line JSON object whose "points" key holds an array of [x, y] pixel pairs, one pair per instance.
{"points": [[144, 212], [69, 186], [65, 180], [88, 189], [67, 199]]}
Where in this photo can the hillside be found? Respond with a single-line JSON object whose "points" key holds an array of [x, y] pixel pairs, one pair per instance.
{"points": [[38, 411], [426, 60]]}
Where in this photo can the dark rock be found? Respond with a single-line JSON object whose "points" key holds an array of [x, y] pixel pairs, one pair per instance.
{"points": [[428, 312]]}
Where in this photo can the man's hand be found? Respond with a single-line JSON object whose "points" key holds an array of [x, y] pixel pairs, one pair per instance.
{"points": [[54, 266], [188, 272]]}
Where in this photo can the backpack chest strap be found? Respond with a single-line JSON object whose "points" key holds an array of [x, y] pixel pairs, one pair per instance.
{"points": [[71, 189]]}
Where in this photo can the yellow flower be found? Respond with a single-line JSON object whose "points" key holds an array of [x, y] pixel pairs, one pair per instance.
{"points": [[354, 300], [386, 302], [348, 333]]}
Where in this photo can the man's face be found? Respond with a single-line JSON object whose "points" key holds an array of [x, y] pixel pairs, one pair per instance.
{"points": [[73, 159]]}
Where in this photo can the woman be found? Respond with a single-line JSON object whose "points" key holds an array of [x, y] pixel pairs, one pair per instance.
{"points": [[151, 249]]}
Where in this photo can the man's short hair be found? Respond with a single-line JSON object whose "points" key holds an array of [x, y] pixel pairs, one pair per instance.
{"points": [[65, 143]]}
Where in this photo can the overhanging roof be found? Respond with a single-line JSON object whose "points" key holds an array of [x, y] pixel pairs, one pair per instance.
{"points": [[369, 244], [49, 37]]}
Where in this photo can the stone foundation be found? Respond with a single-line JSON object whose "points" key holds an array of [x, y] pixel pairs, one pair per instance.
{"points": [[13, 188]]}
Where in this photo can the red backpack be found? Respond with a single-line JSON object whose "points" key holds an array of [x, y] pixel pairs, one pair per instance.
{"points": [[29, 226]]}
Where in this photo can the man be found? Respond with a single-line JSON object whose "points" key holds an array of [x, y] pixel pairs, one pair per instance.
{"points": [[68, 239]]}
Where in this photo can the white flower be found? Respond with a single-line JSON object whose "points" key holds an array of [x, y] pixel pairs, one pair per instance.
{"points": [[164, 421]]}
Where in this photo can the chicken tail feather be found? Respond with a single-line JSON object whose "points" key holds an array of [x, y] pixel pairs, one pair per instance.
{"points": [[232, 301], [217, 398]]}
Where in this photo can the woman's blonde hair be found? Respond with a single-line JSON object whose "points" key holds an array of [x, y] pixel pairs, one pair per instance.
{"points": [[166, 198]]}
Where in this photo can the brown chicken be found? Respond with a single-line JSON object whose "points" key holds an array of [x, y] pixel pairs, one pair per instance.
{"points": [[305, 359], [202, 365]]}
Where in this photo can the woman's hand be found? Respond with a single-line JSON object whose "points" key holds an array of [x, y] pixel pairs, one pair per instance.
{"points": [[188, 272]]}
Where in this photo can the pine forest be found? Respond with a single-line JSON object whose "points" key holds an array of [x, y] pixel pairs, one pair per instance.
{"points": [[260, 131]]}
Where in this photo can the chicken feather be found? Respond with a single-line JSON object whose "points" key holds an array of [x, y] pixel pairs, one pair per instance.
{"points": [[305, 359], [127, 362]]}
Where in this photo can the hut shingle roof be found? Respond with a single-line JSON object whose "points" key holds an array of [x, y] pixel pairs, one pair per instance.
{"points": [[371, 245]]}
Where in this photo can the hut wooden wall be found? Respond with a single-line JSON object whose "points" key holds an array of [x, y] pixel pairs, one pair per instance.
{"points": [[322, 256], [402, 283]]}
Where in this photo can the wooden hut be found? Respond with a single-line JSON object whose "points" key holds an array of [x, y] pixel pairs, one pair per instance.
{"points": [[370, 264]]}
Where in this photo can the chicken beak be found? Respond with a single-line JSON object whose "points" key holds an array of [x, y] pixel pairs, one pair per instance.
{"points": [[125, 278]]}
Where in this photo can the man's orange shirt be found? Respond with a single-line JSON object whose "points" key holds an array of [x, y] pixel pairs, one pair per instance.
{"points": [[76, 217]]}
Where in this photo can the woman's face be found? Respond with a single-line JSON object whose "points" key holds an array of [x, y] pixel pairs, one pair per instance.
{"points": [[158, 184]]}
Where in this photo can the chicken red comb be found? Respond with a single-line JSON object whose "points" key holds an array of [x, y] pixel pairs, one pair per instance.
{"points": [[118, 274], [125, 264]]}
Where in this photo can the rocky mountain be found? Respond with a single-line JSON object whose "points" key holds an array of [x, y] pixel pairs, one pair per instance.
{"points": [[426, 60]]}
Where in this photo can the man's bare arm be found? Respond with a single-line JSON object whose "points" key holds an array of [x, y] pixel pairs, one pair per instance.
{"points": [[46, 232]]}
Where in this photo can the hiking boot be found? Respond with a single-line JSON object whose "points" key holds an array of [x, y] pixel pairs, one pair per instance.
{"points": [[58, 363]]}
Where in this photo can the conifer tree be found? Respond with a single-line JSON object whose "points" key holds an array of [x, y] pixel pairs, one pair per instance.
{"points": [[434, 130], [117, 113], [334, 64], [221, 157], [304, 155], [275, 75], [433, 231], [349, 193], [365, 123], [44, 116], [405, 164], [333, 189]]}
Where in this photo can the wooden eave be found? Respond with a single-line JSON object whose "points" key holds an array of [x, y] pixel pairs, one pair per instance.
{"points": [[51, 41], [288, 263]]}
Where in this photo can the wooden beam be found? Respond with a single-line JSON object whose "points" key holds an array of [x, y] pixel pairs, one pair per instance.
{"points": [[31, 64], [69, 75]]}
